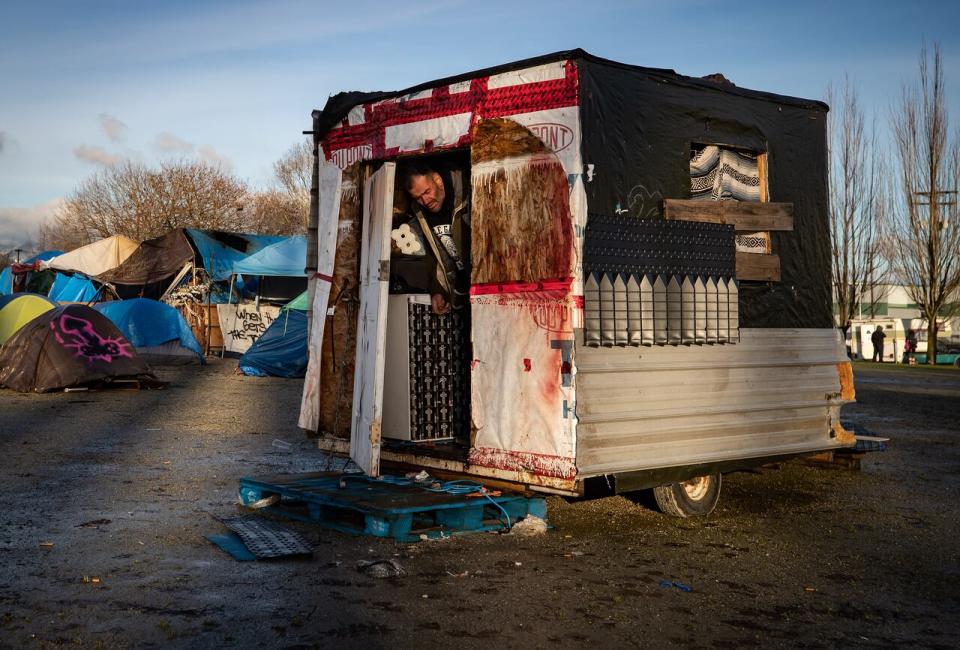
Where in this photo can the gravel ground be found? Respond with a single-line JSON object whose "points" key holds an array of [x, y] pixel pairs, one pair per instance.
{"points": [[105, 498]]}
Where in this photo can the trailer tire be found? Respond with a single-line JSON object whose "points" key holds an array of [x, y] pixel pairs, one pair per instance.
{"points": [[694, 498]]}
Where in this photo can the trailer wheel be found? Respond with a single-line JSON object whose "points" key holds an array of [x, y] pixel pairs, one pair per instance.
{"points": [[693, 498]]}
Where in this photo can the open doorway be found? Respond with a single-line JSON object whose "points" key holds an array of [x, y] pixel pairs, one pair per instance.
{"points": [[426, 399]]}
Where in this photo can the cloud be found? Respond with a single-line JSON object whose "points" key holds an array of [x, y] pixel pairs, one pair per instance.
{"points": [[4, 138], [114, 128], [167, 141], [212, 156], [96, 155], [18, 226]]}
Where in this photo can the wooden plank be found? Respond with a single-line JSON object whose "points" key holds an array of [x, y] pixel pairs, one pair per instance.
{"points": [[755, 266], [365, 431], [329, 182], [745, 216], [764, 178]]}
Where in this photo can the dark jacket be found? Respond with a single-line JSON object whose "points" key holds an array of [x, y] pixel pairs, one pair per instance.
{"points": [[446, 276], [877, 337]]}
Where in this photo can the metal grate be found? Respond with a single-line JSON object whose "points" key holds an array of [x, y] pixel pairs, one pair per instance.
{"points": [[439, 377], [267, 539]]}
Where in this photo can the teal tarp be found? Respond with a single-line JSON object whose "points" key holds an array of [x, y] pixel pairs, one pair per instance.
{"points": [[299, 303]]}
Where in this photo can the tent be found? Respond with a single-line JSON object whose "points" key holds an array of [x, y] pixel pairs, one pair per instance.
{"points": [[72, 288], [152, 327], [6, 275], [69, 346], [18, 310], [281, 351], [285, 258], [5, 300], [96, 258], [300, 302]]}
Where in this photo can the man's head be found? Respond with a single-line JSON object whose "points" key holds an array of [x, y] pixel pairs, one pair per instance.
{"points": [[425, 186]]}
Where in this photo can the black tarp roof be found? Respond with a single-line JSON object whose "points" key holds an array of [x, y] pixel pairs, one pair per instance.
{"points": [[339, 105]]}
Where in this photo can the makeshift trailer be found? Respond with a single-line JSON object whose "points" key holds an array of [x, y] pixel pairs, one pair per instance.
{"points": [[650, 282]]}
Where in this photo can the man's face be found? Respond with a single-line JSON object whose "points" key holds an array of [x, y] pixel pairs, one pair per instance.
{"points": [[428, 191]]}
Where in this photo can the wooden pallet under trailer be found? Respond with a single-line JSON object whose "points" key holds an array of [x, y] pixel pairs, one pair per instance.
{"points": [[404, 511]]}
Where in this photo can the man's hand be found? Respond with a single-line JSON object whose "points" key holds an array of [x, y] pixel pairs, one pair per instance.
{"points": [[439, 303]]}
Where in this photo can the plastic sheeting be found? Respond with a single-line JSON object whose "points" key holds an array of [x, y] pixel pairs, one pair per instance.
{"points": [[154, 260], [638, 129], [72, 288], [220, 251], [281, 351], [284, 258], [147, 323], [96, 258]]}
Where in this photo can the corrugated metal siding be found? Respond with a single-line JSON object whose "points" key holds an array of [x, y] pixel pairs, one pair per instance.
{"points": [[776, 392]]}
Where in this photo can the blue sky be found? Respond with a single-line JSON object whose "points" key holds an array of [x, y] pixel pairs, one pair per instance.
{"points": [[85, 83]]}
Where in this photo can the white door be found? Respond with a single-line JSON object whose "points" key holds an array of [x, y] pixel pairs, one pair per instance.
{"points": [[365, 430], [328, 218]]}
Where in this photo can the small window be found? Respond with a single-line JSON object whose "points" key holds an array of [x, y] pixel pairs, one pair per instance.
{"points": [[721, 173]]}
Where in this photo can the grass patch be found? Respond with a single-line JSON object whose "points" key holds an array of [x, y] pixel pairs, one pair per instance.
{"points": [[900, 367]]}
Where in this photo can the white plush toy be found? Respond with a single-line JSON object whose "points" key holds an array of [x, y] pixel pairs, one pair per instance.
{"points": [[407, 240]]}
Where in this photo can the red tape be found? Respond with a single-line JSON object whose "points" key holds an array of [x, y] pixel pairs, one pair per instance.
{"points": [[561, 284], [323, 276]]}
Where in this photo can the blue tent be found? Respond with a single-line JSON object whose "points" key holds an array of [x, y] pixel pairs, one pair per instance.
{"points": [[72, 288], [6, 275], [281, 351], [286, 258], [152, 327]]}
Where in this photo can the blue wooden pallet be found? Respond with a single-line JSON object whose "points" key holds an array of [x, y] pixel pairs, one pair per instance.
{"points": [[385, 508]]}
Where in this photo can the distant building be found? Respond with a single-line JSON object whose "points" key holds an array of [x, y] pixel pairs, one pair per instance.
{"points": [[890, 306]]}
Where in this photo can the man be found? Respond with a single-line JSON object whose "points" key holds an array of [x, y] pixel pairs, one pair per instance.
{"points": [[877, 339], [442, 220]]}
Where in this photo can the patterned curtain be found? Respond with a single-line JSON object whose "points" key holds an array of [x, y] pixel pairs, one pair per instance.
{"points": [[720, 173]]}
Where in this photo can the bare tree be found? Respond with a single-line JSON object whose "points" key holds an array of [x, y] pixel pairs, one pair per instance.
{"points": [[294, 173], [140, 202], [275, 213], [858, 205], [294, 169], [925, 223]]}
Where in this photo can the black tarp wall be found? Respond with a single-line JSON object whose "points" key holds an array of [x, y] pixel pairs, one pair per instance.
{"points": [[638, 125]]}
